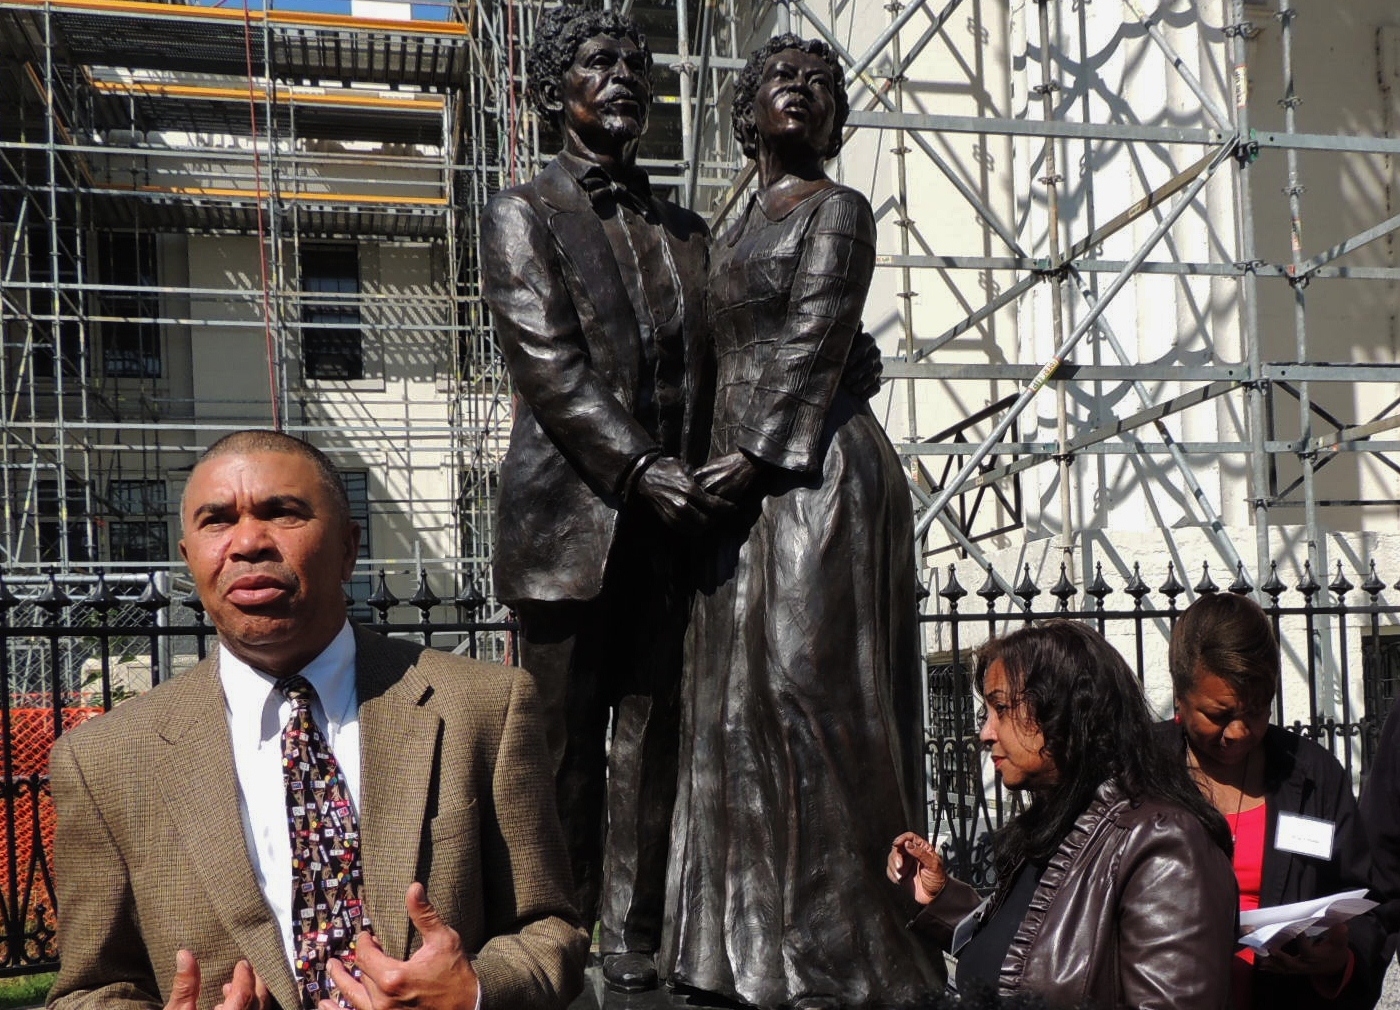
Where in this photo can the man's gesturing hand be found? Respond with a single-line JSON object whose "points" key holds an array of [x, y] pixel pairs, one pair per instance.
{"points": [[184, 987], [729, 476], [244, 991], [864, 366], [437, 977]]}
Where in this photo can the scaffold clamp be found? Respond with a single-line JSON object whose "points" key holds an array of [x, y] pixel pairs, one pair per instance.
{"points": [[1246, 151]]}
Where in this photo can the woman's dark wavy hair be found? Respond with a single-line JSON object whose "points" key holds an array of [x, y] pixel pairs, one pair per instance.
{"points": [[741, 112], [558, 34], [1091, 711], [1231, 637]]}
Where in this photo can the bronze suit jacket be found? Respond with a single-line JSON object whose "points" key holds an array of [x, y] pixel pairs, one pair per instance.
{"points": [[456, 792], [571, 341]]}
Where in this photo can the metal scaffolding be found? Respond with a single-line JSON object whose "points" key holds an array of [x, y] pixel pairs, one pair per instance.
{"points": [[982, 458], [140, 139], [134, 118]]}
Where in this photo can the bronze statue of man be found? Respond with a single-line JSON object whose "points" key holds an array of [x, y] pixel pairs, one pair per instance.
{"points": [[596, 288]]}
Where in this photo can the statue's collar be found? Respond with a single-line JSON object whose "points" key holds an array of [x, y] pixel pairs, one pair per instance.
{"points": [[595, 179], [780, 200]]}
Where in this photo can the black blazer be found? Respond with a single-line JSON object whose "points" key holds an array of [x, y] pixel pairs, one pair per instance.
{"points": [[1302, 778], [572, 345], [1380, 808]]}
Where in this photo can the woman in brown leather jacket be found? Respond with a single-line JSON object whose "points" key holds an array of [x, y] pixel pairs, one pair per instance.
{"points": [[1115, 884]]}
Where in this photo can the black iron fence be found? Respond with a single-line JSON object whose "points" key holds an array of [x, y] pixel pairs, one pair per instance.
{"points": [[1341, 646], [73, 646]]}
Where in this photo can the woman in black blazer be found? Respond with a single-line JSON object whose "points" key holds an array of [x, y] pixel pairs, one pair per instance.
{"points": [[1298, 833]]}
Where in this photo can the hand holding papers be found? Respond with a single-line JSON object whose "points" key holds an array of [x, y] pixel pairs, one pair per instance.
{"points": [[1267, 929]]}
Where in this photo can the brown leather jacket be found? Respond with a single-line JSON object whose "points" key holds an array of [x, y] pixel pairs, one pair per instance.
{"points": [[1137, 909]]}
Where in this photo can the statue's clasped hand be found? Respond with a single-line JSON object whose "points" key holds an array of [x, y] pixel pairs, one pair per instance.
{"points": [[678, 498], [728, 476]]}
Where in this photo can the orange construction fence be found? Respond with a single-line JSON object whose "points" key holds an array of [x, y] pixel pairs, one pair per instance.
{"points": [[31, 735]]}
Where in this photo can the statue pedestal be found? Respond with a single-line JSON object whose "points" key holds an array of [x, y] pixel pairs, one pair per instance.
{"points": [[596, 996]]}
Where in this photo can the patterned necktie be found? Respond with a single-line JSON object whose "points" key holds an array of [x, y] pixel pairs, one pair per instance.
{"points": [[327, 911]]}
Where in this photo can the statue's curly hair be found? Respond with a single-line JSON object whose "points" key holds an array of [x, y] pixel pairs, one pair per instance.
{"points": [[746, 87], [558, 34]]}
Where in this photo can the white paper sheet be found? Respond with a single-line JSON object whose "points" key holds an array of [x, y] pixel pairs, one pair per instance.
{"points": [[1266, 929]]}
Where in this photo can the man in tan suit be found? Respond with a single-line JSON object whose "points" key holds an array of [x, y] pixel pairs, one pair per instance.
{"points": [[172, 848]]}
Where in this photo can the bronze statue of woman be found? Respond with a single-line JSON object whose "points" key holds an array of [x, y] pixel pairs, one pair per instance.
{"points": [[800, 741]]}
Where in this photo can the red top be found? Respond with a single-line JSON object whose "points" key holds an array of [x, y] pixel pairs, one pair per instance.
{"points": [[1248, 829]]}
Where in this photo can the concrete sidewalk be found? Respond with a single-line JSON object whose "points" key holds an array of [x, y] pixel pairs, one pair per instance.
{"points": [[1390, 994]]}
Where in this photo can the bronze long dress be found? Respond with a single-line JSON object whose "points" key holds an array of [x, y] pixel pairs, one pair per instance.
{"points": [[800, 758]]}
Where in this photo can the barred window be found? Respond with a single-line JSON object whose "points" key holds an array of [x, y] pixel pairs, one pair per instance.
{"points": [[130, 336], [331, 342], [138, 529], [57, 524]]}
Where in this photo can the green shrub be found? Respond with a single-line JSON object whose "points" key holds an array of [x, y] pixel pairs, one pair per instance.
{"points": [[25, 990]]}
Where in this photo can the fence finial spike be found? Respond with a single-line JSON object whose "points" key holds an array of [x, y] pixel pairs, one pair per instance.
{"points": [[952, 590], [151, 598], [191, 601], [424, 598], [1340, 584], [382, 600], [1064, 590], [1308, 585], [471, 598], [1373, 586], [1172, 588], [53, 599], [1098, 588], [1026, 589], [991, 590], [101, 598], [1136, 588]]}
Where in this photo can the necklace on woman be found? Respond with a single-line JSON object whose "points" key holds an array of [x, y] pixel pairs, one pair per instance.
{"points": [[1193, 758], [1239, 799]]}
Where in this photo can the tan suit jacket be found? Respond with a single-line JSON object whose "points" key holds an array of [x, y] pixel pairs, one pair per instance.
{"points": [[456, 793]]}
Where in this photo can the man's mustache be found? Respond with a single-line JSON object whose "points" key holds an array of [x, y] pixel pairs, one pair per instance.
{"points": [[260, 576], [623, 93]]}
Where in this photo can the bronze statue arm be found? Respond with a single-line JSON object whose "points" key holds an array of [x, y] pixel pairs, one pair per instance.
{"points": [[787, 412], [545, 351]]}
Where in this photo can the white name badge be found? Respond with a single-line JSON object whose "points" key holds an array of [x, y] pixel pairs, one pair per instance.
{"points": [[1306, 836], [967, 928]]}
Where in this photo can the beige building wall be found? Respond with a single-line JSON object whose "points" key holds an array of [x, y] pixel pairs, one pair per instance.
{"points": [[393, 423]]}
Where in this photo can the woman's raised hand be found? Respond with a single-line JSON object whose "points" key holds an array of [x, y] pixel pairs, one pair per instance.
{"points": [[913, 863]]}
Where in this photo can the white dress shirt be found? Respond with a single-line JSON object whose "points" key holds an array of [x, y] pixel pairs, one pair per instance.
{"points": [[257, 712]]}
